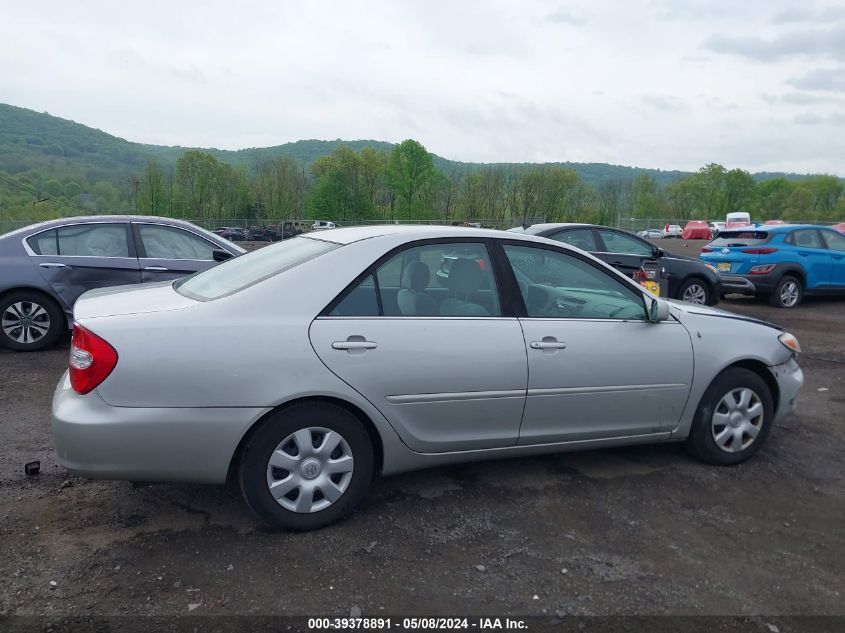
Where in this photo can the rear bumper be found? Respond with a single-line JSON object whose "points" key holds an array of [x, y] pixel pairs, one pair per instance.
{"points": [[790, 378], [748, 284], [96, 440]]}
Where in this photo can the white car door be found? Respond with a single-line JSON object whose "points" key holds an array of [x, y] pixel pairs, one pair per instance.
{"points": [[424, 340], [597, 368]]}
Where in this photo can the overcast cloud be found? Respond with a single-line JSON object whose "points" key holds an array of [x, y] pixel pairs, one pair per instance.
{"points": [[674, 85]]}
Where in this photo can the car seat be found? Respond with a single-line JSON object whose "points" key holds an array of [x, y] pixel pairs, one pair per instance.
{"points": [[464, 279], [412, 298]]}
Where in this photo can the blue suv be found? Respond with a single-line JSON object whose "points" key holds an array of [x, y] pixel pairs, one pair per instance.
{"points": [[783, 262]]}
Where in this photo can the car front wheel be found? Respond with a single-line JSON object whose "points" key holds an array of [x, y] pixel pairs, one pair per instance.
{"points": [[694, 291], [30, 321], [307, 466], [733, 418]]}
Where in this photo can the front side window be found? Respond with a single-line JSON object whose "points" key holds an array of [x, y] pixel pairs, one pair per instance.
{"points": [[166, 242], [241, 272], [579, 238], [557, 285], [93, 240], [619, 243], [834, 241], [448, 280]]}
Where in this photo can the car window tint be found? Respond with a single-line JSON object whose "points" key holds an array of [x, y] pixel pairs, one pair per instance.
{"points": [[453, 279], [361, 301], [166, 242], [44, 243], [808, 238], [619, 243], [741, 238], [558, 285], [241, 272], [93, 240], [834, 241], [579, 238]]}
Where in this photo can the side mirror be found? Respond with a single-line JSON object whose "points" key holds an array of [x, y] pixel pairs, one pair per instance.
{"points": [[220, 255], [657, 252], [658, 310]]}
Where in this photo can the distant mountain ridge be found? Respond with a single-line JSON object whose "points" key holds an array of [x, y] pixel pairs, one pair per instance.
{"points": [[39, 141]]}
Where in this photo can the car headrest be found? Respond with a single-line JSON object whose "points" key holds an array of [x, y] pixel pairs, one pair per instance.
{"points": [[416, 276], [464, 276]]}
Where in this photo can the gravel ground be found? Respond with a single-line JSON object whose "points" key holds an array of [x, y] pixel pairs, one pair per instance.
{"points": [[644, 530]]}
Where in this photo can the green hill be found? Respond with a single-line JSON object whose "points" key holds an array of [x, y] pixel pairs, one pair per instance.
{"points": [[39, 142]]}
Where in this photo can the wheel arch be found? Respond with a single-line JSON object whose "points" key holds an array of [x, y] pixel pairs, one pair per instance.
{"points": [[372, 431], [51, 297], [761, 369]]}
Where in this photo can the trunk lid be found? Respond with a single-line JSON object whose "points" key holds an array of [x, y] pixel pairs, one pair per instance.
{"points": [[135, 299]]}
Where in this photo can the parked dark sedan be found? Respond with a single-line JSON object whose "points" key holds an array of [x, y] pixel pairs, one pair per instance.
{"points": [[45, 267], [688, 279]]}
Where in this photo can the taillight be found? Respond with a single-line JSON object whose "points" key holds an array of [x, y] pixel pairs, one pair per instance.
{"points": [[706, 250], [759, 251], [91, 360], [762, 269]]}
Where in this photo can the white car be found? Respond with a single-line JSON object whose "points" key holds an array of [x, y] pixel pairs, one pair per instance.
{"points": [[322, 225], [651, 234], [673, 230]]}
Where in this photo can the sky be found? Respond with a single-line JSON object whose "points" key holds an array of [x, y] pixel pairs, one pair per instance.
{"points": [[661, 84]]}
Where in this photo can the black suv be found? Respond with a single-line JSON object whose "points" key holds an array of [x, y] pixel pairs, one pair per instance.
{"points": [[688, 279]]}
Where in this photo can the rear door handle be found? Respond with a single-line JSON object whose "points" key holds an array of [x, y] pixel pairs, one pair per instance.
{"points": [[156, 268], [352, 345], [53, 265]]}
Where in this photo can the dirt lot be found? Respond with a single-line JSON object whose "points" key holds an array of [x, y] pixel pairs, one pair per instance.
{"points": [[644, 530]]}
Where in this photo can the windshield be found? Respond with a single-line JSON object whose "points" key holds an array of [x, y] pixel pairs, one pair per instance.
{"points": [[241, 272], [740, 238]]}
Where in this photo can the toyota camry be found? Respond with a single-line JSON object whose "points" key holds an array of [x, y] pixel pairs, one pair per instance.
{"points": [[302, 392]]}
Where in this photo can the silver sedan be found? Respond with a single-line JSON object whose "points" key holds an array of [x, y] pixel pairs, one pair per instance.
{"points": [[306, 368]]}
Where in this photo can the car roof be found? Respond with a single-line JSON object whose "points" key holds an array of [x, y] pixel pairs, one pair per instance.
{"points": [[776, 228], [77, 219], [546, 226]]}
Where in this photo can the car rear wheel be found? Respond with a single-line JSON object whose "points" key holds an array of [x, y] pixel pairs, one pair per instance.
{"points": [[307, 466], [733, 418], [788, 292], [30, 321], [694, 291]]}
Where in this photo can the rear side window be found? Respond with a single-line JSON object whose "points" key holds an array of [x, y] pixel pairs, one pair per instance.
{"points": [[44, 243], [808, 238], [83, 240], [741, 238], [241, 272]]}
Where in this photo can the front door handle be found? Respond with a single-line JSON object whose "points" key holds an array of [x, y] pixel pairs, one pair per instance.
{"points": [[549, 344], [53, 265], [156, 268]]}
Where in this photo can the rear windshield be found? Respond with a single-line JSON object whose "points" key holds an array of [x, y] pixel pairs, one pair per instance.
{"points": [[740, 238], [241, 272]]}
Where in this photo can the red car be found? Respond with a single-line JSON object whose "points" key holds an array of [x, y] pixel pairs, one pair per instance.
{"points": [[839, 227], [696, 230]]}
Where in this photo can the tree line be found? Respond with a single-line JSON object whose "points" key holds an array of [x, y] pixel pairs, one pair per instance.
{"points": [[403, 184]]}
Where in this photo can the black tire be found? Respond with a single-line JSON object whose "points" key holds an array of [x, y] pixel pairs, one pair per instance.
{"points": [[699, 288], [26, 303], [701, 441], [274, 429], [781, 298]]}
